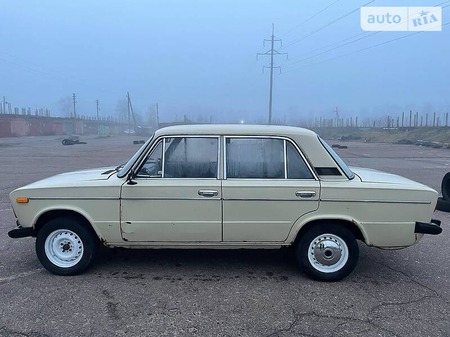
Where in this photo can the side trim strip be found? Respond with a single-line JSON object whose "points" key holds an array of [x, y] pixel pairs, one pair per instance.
{"points": [[240, 199], [74, 198], [203, 199], [267, 199], [380, 201]]}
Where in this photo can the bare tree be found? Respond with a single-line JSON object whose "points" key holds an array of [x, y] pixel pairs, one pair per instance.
{"points": [[66, 106], [122, 110]]}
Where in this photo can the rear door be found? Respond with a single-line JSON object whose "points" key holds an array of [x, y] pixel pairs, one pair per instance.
{"points": [[268, 185]]}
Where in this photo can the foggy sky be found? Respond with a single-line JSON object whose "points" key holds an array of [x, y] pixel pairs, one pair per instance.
{"points": [[198, 58]]}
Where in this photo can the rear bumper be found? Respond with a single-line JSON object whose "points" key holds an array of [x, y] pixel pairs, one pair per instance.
{"points": [[21, 232], [433, 227]]}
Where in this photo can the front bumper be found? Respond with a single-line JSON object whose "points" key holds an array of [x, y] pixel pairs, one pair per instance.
{"points": [[433, 227], [21, 232]]}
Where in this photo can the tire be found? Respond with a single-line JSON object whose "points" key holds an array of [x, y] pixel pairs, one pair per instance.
{"points": [[65, 246], [327, 252], [445, 186], [443, 205], [67, 142]]}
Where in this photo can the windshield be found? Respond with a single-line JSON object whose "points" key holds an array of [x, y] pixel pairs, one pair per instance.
{"points": [[338, 160], [124, 170]]}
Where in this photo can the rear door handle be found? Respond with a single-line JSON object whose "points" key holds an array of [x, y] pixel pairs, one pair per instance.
{"points": [[305, 194], [208, 193]]}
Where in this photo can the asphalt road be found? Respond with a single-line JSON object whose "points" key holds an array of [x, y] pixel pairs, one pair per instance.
{"points": [[219, 293]]}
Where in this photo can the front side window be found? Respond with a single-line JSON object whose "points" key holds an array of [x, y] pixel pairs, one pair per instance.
{"points": [[190, 157], [182, 157], [264, 158]]}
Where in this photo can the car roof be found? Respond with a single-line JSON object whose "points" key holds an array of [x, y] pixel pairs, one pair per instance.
{"points": [[235, 129]]}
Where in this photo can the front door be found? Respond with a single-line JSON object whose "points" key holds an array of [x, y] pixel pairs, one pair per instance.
{"points": [[177, 194]]}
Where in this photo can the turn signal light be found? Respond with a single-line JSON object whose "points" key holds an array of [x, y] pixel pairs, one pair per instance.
{"points": [[22, 200]]}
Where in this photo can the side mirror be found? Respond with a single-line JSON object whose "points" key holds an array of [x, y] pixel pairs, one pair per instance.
{"points": [[130, 178]]}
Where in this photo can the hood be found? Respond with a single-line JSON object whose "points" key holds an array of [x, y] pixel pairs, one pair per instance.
{"points": [[76, 178]]}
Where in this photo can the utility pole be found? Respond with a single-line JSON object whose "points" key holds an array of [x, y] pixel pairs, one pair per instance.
{"points": [[98, 119], [271, 52], [128, 110], [74, 105], [130, 113], [337, 116]]}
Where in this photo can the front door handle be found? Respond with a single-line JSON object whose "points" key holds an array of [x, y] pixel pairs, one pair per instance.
{"points": [[208, 193], [305, 194]]}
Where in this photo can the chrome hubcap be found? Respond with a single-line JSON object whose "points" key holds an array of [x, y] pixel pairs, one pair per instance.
{"points": [[328, 253]]}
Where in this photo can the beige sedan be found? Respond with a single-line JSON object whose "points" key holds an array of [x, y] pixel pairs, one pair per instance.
{"points": [[226, 186]]}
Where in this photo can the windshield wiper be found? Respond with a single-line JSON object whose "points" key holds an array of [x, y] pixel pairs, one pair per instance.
{"points": [[113, 170]]}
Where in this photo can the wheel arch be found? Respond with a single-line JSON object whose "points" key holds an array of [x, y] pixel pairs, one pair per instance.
{"points": [[63, 213], [349, 224]]}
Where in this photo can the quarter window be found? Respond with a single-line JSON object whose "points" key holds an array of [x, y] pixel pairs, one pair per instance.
{"points": [[152, 167], [296, 166]]}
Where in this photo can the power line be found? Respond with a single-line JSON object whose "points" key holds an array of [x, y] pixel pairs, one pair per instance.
{"points": [[374, 46], [327, 25], [336, 43], [271, 52], [442, 4], [353, 41], [310, 18], [331, 49]]}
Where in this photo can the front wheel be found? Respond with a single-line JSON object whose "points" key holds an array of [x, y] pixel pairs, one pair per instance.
{"points": [[327, 252], [64, 246]]}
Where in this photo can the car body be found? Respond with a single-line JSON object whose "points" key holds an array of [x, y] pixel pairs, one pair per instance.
{"points": [[226, 186]]}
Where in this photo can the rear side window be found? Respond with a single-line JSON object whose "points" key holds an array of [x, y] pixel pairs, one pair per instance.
{"points": [[264, 158], [255, 158]]}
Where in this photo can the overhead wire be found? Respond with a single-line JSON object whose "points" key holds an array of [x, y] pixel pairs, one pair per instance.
{"points": [[331, 49], [356, 40], [373, 46], [309, 18], [326, 26]]}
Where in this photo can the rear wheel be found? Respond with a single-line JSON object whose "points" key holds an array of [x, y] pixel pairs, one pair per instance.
{"points": [[327, 252], [443, 205], [65, 246], [445, 186]]}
